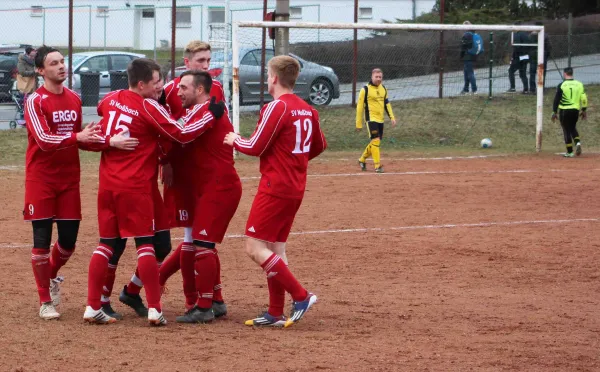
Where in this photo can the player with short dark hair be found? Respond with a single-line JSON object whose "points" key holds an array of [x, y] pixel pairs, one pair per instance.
{"points": [[162, 239], [570, 98], [53, 118], [217, 193], [125, 193], [287, 136], [179, 189]]}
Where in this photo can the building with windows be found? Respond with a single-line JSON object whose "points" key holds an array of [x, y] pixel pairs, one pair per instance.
{"points": [[146, 24]]}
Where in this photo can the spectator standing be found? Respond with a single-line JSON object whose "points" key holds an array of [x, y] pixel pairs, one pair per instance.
{"points": [[519, 61], [471, 47], [26, 75], [533, 38]]}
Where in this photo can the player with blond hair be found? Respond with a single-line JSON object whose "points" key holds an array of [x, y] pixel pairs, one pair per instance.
{"points": [[287, 136]]}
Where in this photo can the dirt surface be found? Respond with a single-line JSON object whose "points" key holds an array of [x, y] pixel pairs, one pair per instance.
{"points": [[438, 265]]}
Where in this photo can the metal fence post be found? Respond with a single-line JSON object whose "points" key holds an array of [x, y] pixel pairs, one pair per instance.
{"points": [[491, 64], [90, 29], [105, 33], [154, 42], [44, 26], [441, 51], [355, 55], [570, 39]]}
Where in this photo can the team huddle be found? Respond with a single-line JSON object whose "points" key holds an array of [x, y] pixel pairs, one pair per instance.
{"points": [[182, 134]]}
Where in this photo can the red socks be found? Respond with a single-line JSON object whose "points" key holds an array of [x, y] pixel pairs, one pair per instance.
{"points": [[97, 274], [135, 284], [148, 271], [206, 267], [276, 269], [59, 258], [170, 265], [276, 297], [186, 261], [217, 289], [40, 262], [109, 283]]}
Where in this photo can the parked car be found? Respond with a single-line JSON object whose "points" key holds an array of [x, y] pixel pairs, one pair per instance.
{"points": [[102, 62], [316, 84]]}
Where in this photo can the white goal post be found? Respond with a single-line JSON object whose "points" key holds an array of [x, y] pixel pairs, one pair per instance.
{"points": [[390, 26]]}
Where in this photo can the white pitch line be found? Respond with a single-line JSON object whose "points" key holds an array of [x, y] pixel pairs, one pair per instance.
{"points": [[395, 228], [416, 173], [468, 157]]}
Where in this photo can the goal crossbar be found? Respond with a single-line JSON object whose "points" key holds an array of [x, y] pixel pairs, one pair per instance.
{"points": [[393, 26]]}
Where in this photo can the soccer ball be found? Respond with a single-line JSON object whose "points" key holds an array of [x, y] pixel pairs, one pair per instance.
{"points": [[486, 143]]}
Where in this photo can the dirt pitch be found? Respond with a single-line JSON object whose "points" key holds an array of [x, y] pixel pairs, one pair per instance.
{"points": [[438, 265]]}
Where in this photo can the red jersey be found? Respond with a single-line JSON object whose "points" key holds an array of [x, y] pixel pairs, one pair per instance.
{"points": [[146, 120], [53, 121], [212, 160], [287, 136], [180, 157]]}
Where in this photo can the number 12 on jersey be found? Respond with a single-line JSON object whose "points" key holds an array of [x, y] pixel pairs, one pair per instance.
{"points": [[303, 129], [122, 119]]}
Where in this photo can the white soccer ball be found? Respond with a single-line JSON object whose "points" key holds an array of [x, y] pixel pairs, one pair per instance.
{"points": [[486, 143]]}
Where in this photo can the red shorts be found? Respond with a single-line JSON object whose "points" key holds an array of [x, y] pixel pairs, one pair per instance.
{"points": [[179, 205], [271, 218], [58, 201], [215, 210], [125, 214], [161, 217]]}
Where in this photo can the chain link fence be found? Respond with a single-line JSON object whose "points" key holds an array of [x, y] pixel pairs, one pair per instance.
{"points": [[417, 64]]}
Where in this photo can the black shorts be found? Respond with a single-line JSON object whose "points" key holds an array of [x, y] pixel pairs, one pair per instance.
{"points": [[375, 129]]}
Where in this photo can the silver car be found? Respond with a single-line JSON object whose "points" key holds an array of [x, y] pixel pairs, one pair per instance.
{"points": [[102, 62], [316, 84]]}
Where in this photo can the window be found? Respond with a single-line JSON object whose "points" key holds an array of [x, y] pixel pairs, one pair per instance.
{"points": [[119, 63], [216, 15], [96, 64], [37, 11], [183, 17], [249, 60], [365, 13], [269, 54], [148, 13], [295, 12], [102, 11]]}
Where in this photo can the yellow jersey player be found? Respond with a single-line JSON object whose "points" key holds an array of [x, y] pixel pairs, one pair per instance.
{"points": [[570, 98], [372, 104]]}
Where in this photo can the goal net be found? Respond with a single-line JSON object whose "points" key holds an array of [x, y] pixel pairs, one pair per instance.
{"points": [[424, 77]]}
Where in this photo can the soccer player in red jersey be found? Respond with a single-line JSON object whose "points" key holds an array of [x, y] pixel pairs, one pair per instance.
{"points": [[53, 118], [218, 191], [162, 239], [125, 193], [287, 136], [179, 190]]}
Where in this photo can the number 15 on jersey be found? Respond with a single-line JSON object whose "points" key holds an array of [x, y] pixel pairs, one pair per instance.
{"points": [[119, 127]]}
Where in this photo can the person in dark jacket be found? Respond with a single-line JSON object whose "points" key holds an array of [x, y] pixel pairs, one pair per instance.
{"points": [[519, 61], [26, 75], [533, 38], [468, 60]]}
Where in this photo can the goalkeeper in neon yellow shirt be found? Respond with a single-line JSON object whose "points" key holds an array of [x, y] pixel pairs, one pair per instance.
{"points": [[372, 104]]}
